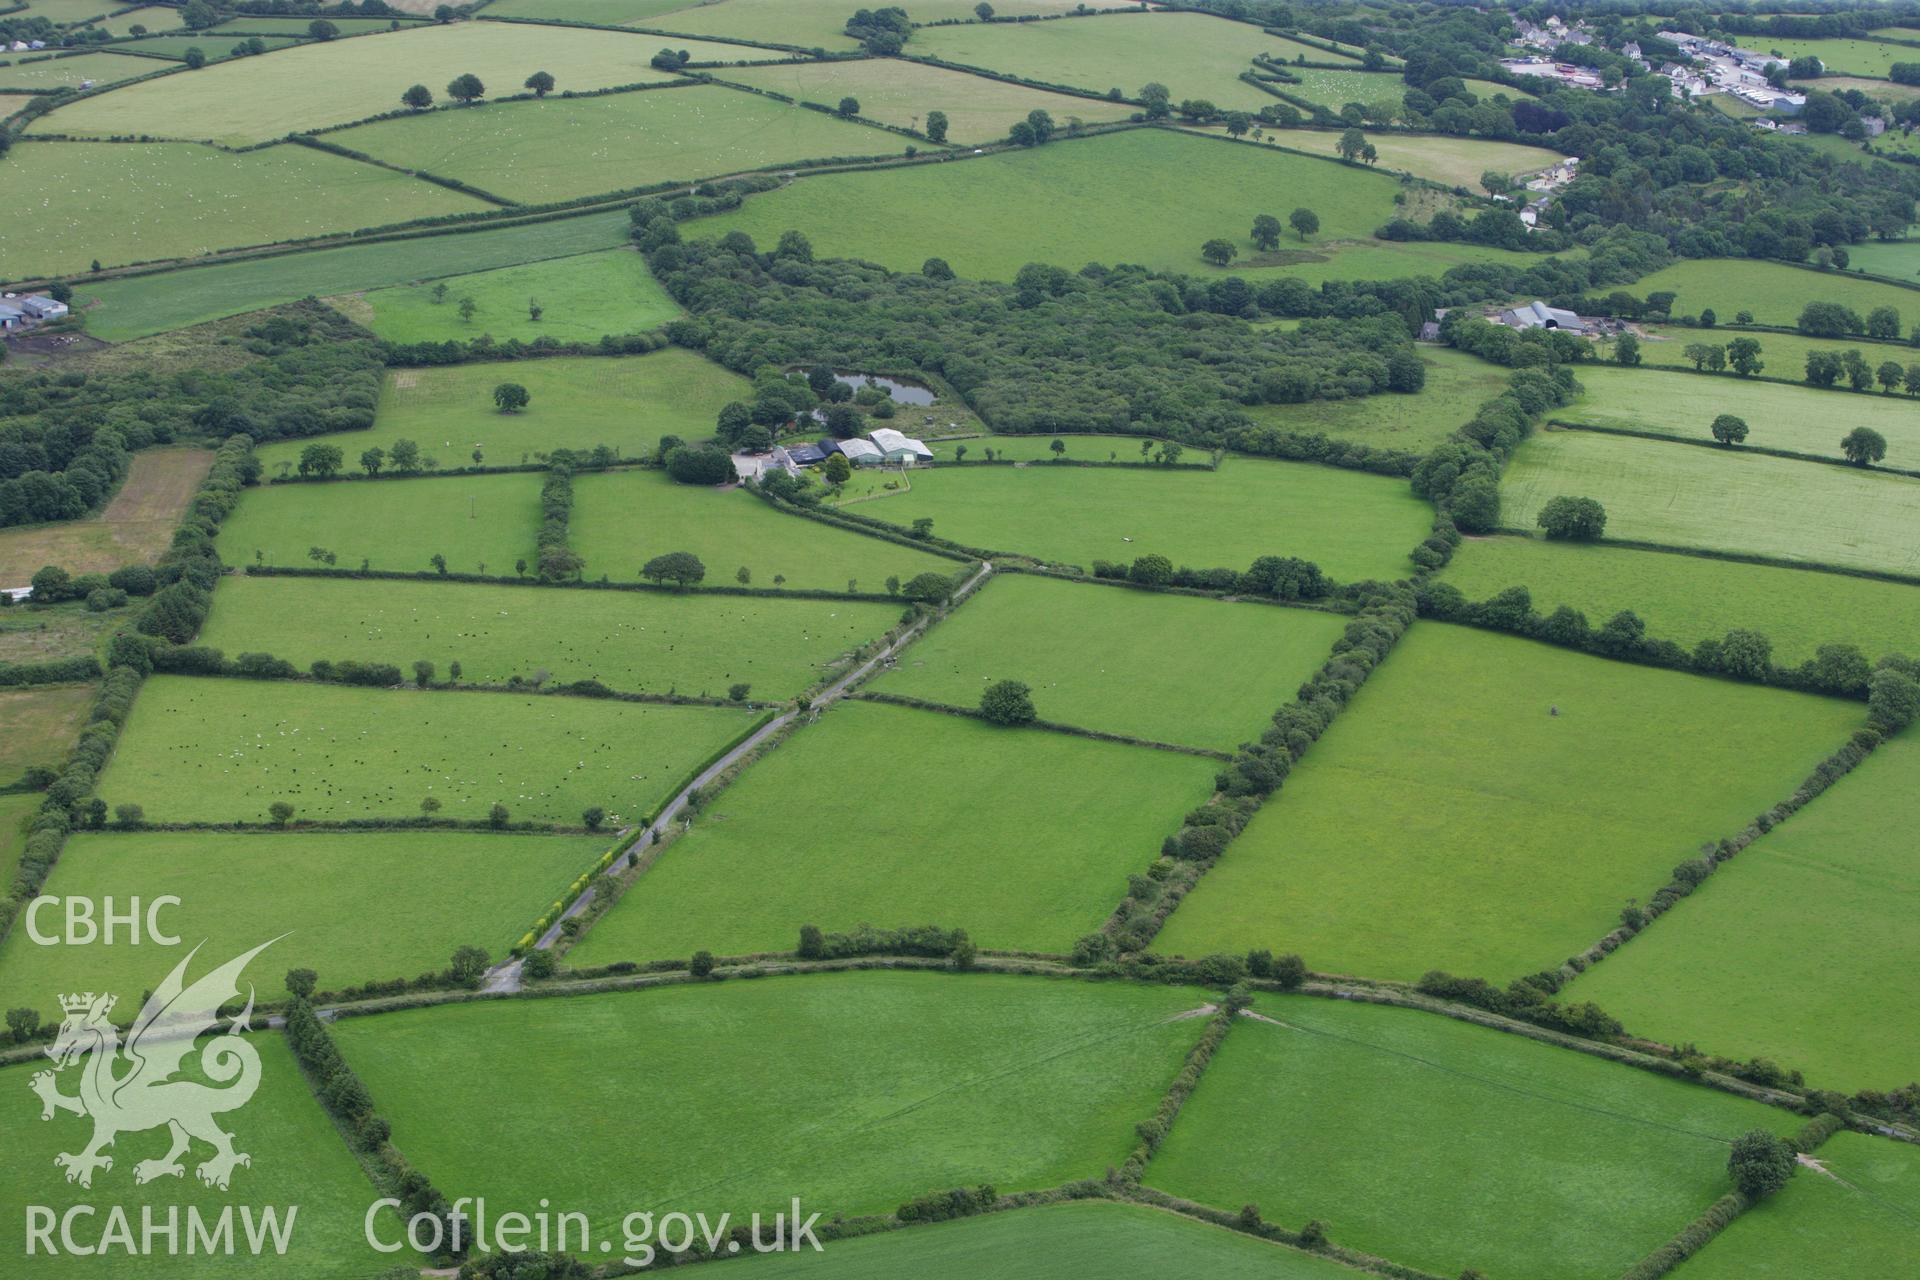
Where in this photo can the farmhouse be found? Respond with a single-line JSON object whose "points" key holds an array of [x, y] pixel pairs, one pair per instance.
{"points": [[896, 446], [1538, 315]]}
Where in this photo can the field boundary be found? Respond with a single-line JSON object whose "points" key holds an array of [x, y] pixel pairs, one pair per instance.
{"points": [[1637, 433], [1048, 726], [1738, 557], [578, 584]]}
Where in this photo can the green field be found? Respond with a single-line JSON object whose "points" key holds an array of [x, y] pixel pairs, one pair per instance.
{"points": [[1078, 1240], [1801, 419], [131, 308], [1336, 89], [1852, 57], [582, 298], [58, 631], [1098, 657], [154, 18], [1457, 162], [821, 23], [69, 13], [1857, 1219], [1774, 292], [315, 85], [1416, 1137], [884, 1086], [539, 152], [1195, 55], [134, 202], [1678, 495], [1689, 598], [578, 402], [1351, 524], [71, 72], [1799, 949], [900, 93], [1449, 820], [1457, 385], [653, 642], [298, 1158], [296, 24], [16, 811], [1897, 258], [354, 908], [395, 524], [1071, 202], [1782, 355], [41, 726], [624, 519], [956, 833], [214, 47], [223, 750]]}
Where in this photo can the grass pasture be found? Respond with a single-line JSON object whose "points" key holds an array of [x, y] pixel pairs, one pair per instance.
{"points": [[979, 110], [1336, 89], [954, 838], [1857, 1218], [134, 527], [1457, 385], [1782, 355], [582, 298], [70, 630], [578, 402], [1796, 950], [1195, 55], [155, 18], [1071, 202], [1097, 657], [72, 72], [623, 519], [138, 306], [1412, 1137], [1869, 58], [16, 812], [486, 520], [1689, 598], [175, 46], [1802, 419], [1773, 291], [41, 725], [813, 24], [1071, 1241], [1457, 162], [199, 750], [634, 642], [313, 86], [1449, 821], [298, 1158], [885, 1086], [297, 24], [1899, 259], [538, 152], [1353, 525], [70, 13], [349, 904], [1678, 495], [140, 202]]}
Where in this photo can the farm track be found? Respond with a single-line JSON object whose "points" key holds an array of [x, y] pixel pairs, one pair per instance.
{"points": [[506, 977]]}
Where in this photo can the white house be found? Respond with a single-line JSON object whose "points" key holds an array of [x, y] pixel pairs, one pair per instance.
{"points": [[896, 446]]}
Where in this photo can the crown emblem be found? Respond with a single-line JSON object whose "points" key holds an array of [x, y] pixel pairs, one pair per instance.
{"points": [[82, 1003]]}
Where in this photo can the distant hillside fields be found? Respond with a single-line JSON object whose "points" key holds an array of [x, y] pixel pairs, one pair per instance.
{"points": [[1773, 292]]}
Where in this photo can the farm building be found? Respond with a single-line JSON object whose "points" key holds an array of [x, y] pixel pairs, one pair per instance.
{"points": [[805, 455], [896, 446], [1538, 315], [861, 453], [11, 317], [39, 306]]}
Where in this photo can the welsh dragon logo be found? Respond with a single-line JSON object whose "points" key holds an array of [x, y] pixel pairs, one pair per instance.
{"points": [[133, 1087]]}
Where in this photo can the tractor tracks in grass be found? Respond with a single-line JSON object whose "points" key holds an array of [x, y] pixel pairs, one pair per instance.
{"points": [[507, 977]]}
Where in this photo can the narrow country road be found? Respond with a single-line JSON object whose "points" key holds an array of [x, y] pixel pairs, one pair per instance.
{"points": [[507, 975]]}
